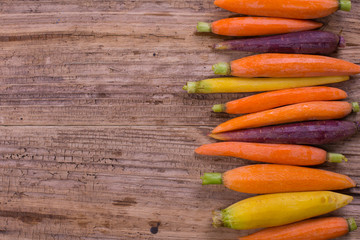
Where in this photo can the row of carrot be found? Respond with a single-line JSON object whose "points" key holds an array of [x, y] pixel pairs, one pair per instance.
{"points": [[274, 121], [290, 189]]}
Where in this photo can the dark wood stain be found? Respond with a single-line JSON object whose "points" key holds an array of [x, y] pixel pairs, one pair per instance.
{"points": [[126, 202], [31, 217]]}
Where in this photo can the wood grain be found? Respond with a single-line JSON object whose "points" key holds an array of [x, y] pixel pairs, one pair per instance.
{"points": [[97, 136]]}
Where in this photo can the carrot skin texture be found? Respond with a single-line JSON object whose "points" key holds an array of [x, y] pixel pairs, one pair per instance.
{"points": [[317, 110], [270, 153], [278, 209], [273, 178], [306, 42], [291, 65], [234, 84], [257, 26], [308, 133], [269, 100], [313, 229], [276, 8]]}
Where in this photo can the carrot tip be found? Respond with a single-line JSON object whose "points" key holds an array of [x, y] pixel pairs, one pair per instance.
{"points": [[219, 108], [217, 219], [203, 27], [336, 158], [342, 42], [345, 5], [217, 136], [352, 224], [355, 107], [222, 68], [221, 46], [211, 178]]}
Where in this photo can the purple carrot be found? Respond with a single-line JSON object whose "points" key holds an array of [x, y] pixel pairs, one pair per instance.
{"points": [[310, 42], [311, 133]]}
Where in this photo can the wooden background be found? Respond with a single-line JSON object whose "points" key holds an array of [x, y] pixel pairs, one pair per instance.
{"points": [[97, 136]]}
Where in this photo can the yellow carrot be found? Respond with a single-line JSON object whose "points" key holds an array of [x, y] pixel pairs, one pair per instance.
{"points": [[278, 209], [234, 84]]}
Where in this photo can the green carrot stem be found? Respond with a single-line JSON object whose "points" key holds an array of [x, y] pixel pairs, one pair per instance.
{"points": [[191, 87], [211, 178], [336, 158], [219, 108], [222, 68], [352, 224], [355, 107], [345, 5], [203, 27]]}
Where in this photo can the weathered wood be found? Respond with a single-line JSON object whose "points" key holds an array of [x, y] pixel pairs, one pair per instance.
{"points": [[97, 136], [117, 182]]}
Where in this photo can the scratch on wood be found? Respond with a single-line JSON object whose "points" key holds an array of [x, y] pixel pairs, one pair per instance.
{"points": [[126, 202]]}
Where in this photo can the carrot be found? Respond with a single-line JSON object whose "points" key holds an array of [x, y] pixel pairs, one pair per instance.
{"points": [[286, 65], [313, 229], [234, 84], [306, 42], [268, 100], [299, 9], [273, 178], [308, 133], [271, 153], [255, 26], [277, 209], [317, 110]]}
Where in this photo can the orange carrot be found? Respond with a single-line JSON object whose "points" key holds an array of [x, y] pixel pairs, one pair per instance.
{"points": [[317, 110], [269, 100], [313, 229], [299, 9], [273, 178], [255, 26], [271, 153], [286, 65]]}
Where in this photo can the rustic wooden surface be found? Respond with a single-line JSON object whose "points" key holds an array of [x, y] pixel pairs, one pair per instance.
{"points": [[97, 136]]}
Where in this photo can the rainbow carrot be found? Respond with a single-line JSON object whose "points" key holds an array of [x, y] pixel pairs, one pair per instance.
{"points": [[311, 133], [298, 9], [286, 65], [255, 26], [308, 42], [277, 209], [233, 84], [268, 100], [271, 153], [273, 178], [317, 110], [313, 229]]}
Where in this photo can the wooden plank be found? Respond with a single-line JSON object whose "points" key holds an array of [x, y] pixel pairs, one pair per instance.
{"points": [[118, 182], [97, 136], [90, 73]]}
